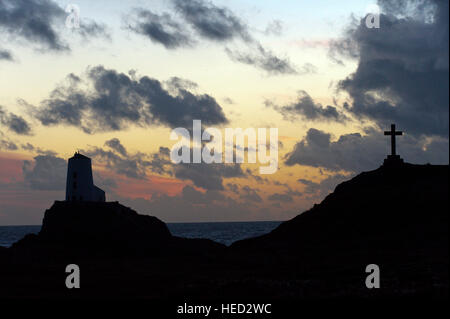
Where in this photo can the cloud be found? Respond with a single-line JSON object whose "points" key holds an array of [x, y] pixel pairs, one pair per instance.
{"points": [[403, 71], [91, 29], [5, 55], [160, 162], [175, 84], [285, 197], [46, 172], [108, 184], [112, 101], [34, 21], [212, 22], [6, 143], [228, 100], [306, 108], [249, 194], [266, 60], [161, 29], [275, 27], [137, 165], [31, 148], [40, 22], [198, 19], [256, 177], [195, 17], [117, 146], [207, 176], [133, 165], [355, 152], [324, 187], [192, 205], [14, 123], [27, 147], [278, 197], [194, 196]]}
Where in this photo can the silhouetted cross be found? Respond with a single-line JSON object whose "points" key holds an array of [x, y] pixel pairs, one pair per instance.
{"points": [[393, 133]]}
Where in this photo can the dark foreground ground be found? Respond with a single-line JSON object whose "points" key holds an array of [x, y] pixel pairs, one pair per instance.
{"points": [[396, 218]]}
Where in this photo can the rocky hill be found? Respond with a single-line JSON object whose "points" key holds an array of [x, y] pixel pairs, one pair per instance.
{"points": [[405, 207], [108, 229], [395, 217]]}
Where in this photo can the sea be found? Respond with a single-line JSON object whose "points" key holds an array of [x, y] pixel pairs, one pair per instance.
{"points": [[222, 232]]}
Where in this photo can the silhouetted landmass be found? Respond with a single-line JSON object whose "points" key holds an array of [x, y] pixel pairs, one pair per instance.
{"points": [[395, 217], [375, 212], [87, 229]]}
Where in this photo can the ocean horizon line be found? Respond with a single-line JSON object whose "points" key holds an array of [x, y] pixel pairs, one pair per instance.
{"points": [[200, 222]]}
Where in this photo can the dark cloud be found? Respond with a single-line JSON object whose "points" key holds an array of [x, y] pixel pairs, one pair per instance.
{"points": [[133, 165], [160, 162], [219, 24], [117, 146], [256, 177], [356, 152], [403, 67], [91, 29], [174, 84], [33, 20], [193, 196], [45, 152], [14, 123], [5, 55], [40, 22], [27, 147], [6, 143], [279, 197], [108, 184], [212, 22], [207, 176], [192, 205], [46, 172], [205, 19], [116, 158], [31, 148], [306, 108], [266, 60], [311, 187], [137, 165], [130, 167], [161, 29], [286, 196], [249, 194], [113, 101]]}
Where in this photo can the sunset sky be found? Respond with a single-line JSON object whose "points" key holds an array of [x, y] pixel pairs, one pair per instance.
{"points": [[115, 87]]}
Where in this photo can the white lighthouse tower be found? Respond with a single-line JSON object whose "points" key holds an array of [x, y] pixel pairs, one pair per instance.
{"points": [[80, 185]]}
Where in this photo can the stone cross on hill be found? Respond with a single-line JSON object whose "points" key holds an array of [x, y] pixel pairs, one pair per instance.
{"points": [[393, 133], [393, 159]]}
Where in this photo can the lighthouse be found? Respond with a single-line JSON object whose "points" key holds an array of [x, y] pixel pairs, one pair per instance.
{"points": [[80, 184]]}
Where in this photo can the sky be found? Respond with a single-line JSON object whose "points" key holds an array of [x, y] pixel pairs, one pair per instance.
{"points": [[116, 86]]}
